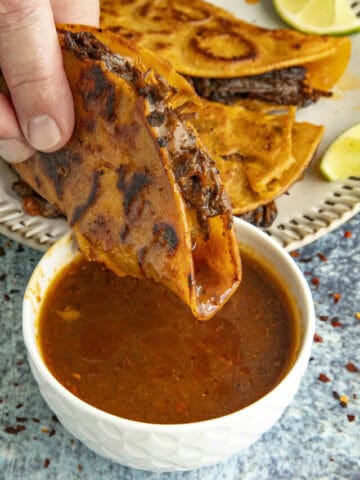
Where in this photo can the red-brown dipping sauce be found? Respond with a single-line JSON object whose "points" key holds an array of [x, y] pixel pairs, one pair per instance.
{"points": [[131, 348]]}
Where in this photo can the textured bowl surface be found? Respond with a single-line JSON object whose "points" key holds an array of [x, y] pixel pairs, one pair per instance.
{"points": [[167, 447]]}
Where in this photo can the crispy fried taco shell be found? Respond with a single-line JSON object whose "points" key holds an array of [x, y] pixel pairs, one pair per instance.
{"points": [[135, 182], [259, 156], [227, 58]]}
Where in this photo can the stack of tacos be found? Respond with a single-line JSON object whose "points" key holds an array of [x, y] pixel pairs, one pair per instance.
{"points": [[229, 59], [153, 172], [250, 80]]}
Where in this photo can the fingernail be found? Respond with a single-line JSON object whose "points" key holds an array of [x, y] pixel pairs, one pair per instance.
{"points": [[14, 151], [43, 132]]}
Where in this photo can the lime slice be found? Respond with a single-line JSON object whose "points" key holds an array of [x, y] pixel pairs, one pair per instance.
{"points": [[324, 17], [342, 158]]}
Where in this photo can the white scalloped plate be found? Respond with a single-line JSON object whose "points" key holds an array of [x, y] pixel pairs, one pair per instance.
{"points": [[313, 206]]}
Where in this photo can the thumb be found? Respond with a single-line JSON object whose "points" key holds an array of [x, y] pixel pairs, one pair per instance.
{"points": [[31, 62]]}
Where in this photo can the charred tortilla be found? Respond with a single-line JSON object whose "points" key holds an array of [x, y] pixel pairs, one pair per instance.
{"points": [[228, 59], [135, 182]]}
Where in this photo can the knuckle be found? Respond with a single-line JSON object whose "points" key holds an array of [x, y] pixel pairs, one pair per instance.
{"points": [[35, 80], [14, 13]]}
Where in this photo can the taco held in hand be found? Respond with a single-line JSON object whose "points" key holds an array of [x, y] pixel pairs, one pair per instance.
{"points": [[135, 182]]}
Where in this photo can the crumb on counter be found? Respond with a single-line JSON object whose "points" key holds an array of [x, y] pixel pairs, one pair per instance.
{"points": [[335, 322], [324, 378], [351, 367], [318, 338], [336, 297]]}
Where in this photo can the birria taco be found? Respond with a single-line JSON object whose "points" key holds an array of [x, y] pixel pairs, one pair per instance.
{"points": [[228, 59], [259, 155], [135, 182]]}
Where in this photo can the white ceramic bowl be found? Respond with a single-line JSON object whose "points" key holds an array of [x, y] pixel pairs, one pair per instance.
{"points": [[168, 447]]}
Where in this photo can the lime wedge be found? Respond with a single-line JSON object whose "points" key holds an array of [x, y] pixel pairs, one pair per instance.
{"points": [[342, 158], [324, 17]]}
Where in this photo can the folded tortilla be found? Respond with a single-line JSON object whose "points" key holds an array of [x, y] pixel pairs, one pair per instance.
{"points": [[135, 182], [259, 156], [227, 58]]}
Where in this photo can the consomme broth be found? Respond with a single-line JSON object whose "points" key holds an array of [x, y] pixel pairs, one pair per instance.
{"points": [[131, 348]]}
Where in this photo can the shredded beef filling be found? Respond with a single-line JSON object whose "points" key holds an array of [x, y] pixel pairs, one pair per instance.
{"points": [[286, 86], [263, 216], [33, 204], [195, 172], [196, 175]]}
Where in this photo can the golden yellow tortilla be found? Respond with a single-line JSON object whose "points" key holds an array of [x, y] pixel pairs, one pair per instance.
{"points": [[263, 143], [259, 156], [202, 40]]}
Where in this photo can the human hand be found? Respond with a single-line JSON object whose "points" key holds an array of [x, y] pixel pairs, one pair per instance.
{"points": [[40, 113]]}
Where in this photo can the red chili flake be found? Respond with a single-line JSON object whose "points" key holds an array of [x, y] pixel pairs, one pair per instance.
{"points": [[315, 281], [295, 254], [80, 468], [36, 420], [21, 419], [318, 338], [324, 318], [6, 297], [347, 234], [322, 257], [335, 322], [20, 362], [351, 418], [46, 462], [336, 297], [19, 405], [336, 395], [351, 367], [324, 378], [15, 430], [305, 260]]}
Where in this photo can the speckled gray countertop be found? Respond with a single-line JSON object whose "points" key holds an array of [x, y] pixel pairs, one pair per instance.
{"points": [[318, 437]]}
